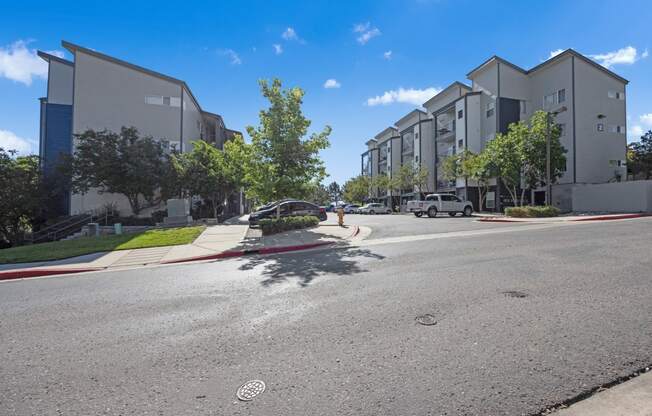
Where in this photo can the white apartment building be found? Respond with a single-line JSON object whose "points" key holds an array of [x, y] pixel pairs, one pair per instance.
{"points": [[96, 91], [466, 117]]}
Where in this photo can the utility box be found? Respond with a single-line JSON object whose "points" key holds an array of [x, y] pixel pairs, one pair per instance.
{"points": [[117, 227], [93, 229], [178, 212]]}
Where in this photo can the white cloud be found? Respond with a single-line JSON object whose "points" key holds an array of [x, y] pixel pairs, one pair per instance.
{"points": [[402, 95], [366, 32], [290, 34], [646, 119], [635, 132], [624, 56], [231, 55], [555, 53], [387, 55], [21, 64], [332, 83], [278, 49], [9, 141]]}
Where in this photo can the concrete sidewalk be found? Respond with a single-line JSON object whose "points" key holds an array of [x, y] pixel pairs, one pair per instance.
{"points": [[223, 240], [631, 398], [564, 218]]}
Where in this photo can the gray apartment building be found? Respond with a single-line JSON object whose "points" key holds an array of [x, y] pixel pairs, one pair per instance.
{"points": [[96, 91], [467, 117]]}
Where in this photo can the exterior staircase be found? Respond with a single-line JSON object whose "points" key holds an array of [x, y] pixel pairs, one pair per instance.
{"points": [[62, 229]]}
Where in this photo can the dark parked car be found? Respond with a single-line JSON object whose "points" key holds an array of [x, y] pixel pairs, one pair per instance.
{"points": [[289, 209]]}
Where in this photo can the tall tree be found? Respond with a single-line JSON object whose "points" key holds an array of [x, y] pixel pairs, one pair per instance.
{"points": [[534, 151], [639, 161], [284, 164], [319, 195], [413, 176], [120, 163], [20, 194], [480, 169], [506, 152], [357, 189], [334, 191]]}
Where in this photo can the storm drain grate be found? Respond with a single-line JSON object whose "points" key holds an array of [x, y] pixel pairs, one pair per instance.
{"points": [[426, 319], [250, 389], [515, 294]]}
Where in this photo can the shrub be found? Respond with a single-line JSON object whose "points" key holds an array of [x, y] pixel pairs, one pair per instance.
{"points": [[273, 225], [532, 212]]}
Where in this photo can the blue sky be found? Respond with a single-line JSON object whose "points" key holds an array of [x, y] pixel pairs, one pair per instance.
{"points": [[369, 49]]}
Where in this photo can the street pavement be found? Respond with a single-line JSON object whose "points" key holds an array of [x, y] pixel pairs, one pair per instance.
{"points": [[527, 317]]}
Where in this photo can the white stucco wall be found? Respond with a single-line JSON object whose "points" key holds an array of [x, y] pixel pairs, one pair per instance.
{"points": [[633, 196], [60, 81]]}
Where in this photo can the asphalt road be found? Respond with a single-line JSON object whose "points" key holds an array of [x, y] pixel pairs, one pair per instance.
{"points": [[406, 224], [333, 332]]}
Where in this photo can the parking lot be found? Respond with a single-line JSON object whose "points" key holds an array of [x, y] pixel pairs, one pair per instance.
{"points": [[397, 225]]}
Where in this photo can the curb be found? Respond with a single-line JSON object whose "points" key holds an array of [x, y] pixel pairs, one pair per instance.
{"points": [[241, 253], [26, 273], [597, 218]]}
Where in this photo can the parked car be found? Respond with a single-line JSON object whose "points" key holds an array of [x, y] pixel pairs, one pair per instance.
{"points": [[436, 203], [350, 208], [375, 208], [288, 209]]}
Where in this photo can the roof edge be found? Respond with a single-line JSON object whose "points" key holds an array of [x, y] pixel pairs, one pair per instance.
{"points": [[453, 84], [49, 57]]}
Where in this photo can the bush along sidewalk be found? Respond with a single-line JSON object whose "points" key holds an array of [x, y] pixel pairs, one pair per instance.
{"points": [[273, 225], [532, 212]]}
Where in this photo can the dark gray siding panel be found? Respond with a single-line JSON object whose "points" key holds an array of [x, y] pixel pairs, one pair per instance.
{"points": [[509, 113]]}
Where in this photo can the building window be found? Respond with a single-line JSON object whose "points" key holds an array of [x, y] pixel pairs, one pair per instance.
{"points": [[613, 128], [460, 114], [523, 105], [600, 127], [460, 143], [555, 98], [620, 95], [616, 95], [562, 129], [162, 100], [561, 96], [491, 109]]}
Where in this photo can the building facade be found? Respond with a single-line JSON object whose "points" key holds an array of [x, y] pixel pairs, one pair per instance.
{"points": [[96, 91], [593, 121]]}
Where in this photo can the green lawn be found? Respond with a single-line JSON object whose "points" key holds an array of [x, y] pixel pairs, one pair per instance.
{"points": [[87, 245]]}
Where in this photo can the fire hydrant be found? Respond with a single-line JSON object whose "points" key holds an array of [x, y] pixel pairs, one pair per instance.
{"points": [[340, 216]]}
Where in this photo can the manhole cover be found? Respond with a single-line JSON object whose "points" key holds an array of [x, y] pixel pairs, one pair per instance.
{"points": [[515, 294], [426, 319], [250, 389]]}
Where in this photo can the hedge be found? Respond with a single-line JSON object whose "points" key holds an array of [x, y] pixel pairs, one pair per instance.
{"points": [[532, 212], [273, 225]]}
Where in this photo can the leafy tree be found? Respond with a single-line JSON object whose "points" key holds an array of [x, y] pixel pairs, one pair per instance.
{"points": [[210, 173], [413, 176], [506, 152], [480, 169], [334, 191], [357, 189], [20, 194], [283, 163], [121, 163], [534, 152], [639, 156], [320, 195]]}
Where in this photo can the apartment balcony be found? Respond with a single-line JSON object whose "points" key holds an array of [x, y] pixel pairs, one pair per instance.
{"points": [[443, 185]]}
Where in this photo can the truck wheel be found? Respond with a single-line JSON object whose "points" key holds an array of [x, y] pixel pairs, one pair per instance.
{"points": [[418, 214], [468, 211], [452, 214], [432, 212]]}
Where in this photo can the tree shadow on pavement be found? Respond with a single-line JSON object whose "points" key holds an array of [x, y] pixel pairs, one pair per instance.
{"points": [[306, 266]]}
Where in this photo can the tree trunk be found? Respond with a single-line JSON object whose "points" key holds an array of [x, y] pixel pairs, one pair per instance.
{"points": [[134, 204], [214, 203]]}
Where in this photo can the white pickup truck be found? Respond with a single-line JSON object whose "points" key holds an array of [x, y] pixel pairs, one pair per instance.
{"points": [[435, 203]]}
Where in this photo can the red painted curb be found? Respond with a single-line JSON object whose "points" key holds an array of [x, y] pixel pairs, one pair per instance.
{"points": [[26, 273], [612, 217], [284, 249], [596, 218]]}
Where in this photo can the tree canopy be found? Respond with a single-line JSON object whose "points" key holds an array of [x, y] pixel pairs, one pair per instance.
{"points": [[283, 162]]}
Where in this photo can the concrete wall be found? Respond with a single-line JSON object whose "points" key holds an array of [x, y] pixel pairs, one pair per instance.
{"points": [[595, 149], [60, 80], [109, 96], [633, 196], [549, 80]]}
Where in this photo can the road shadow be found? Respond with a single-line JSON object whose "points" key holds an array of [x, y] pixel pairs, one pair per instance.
{"points": [[307, 266]]}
